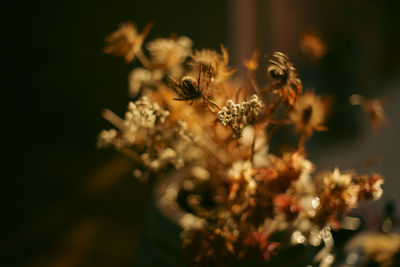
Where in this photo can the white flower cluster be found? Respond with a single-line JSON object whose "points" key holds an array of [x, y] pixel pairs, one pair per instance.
{"points": [[142, 119], [243, 170], [304, 184], [178, 147], [144, 129], [343, 182], [237, 116]]}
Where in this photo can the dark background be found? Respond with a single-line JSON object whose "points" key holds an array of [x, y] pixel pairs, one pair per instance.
{"points": [[64, 203]]}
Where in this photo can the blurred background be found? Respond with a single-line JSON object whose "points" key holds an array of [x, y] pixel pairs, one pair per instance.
{"points": [[65, 203]]}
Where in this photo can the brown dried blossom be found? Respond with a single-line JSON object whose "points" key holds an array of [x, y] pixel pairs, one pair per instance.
{"points": [[259, 188], [309, 113], [191, 88], [370, 186], [216, 63], [338, 193], [373, 108], [375, 113], [283, 172], [285, 81], [288, 205], [126, 41], [259, 245]]}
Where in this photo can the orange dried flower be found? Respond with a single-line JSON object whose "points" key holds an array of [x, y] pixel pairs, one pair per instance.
{"points": [[373, 108], [218, 63], [126, 41], [309, 113]]}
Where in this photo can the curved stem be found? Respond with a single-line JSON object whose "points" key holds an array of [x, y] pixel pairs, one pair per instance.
{"points": [[302, 142]]}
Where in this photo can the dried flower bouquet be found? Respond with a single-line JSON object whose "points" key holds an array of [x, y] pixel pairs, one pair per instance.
{"points": [[234, 196]]}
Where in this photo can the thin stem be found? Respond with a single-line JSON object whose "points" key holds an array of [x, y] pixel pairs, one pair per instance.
{"points": [[302, 142], [277, 126], [144, 60], [209, 144], [113, 118], [368, 163], [253, 144], [246, 85], [130, 153], [240, 91], [212, 104], [270, 109], [256, 88]]}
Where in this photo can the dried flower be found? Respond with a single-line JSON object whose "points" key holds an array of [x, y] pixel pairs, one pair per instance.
{"points": [[339, 179], [144, 114], [309, 113], [145, 128], [174, 146], [252, 63], [217, 64], [191, 88], [312, 46], [304, 184], [351, 195], [126, 41], [241, 171], [235, 199], [140, 77], [286, 204], [370, 186], [106, 138], [283, 172], [338, 193], [237, 116], [376, 187], [285, 81], [373, 108], [140, 120], [167, 53]]}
